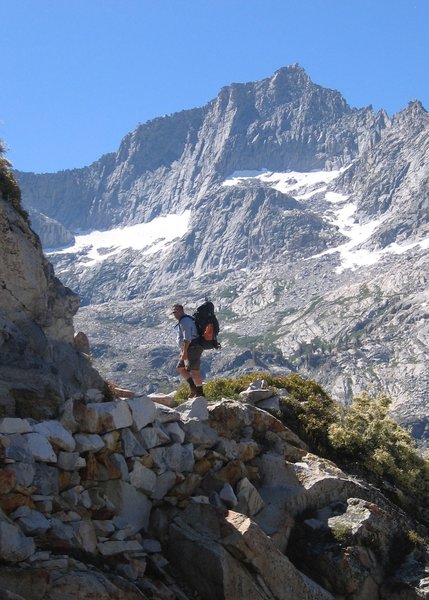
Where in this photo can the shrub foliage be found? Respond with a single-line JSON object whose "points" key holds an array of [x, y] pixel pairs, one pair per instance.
{"points": [[9, 189], [367, 433]]}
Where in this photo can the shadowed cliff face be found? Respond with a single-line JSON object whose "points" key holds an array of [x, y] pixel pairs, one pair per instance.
{"points": [[37, 356]]}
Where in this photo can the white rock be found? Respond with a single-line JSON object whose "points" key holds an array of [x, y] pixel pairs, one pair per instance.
{"points": [[175, 431], [131, 445], [111, 548], [43, 504], [110, 440], [94, 395], [165, 399], [194, 409], [272, 404], [143, 411], [67, 418], [40, 556], [154, 436], [164, 482], [71, 496], [176, 457], [104, 528], [34, 523], [84, 499], [228, 448], [151, 546], [256, 392], [143, 478], [21, 511], [129, 503], [24, 473], [68, 461], [14, 425], [88, 442], [165, 414], [119, 462], [16, 448], [227, 496], [85, 535], [57, 434], [249, 500], [14, 545], [40, 448], [200, 433], [200, 499], [105, 416]]}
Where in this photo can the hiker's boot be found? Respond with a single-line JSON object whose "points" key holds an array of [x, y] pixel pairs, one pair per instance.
{"points": [[192, 387], [199, 391]]}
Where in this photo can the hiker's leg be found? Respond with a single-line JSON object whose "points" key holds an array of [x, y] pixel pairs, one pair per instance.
{"points": [[196, 376], [194, 355], [184, 372]]}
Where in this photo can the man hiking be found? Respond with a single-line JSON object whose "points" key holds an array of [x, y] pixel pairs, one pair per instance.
{"points": [[190, 351]]}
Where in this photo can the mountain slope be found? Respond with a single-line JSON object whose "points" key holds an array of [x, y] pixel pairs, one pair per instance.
{"points": [[305, 220]]}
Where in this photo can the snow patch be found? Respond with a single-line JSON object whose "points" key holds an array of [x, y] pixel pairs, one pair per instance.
{"points": [[304, 185], [289, 182], [358, 233], [150, 237]]}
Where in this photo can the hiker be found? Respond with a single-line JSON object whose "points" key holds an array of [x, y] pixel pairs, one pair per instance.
{"points": [[190, 351]]}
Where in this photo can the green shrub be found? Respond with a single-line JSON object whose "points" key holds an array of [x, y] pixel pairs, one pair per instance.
{"points": [[9, 189], [367, 434], [215, 389], [342, 533]]}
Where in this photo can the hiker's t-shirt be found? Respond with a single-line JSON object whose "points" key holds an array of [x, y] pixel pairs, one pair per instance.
{"points": [[186, 330]]}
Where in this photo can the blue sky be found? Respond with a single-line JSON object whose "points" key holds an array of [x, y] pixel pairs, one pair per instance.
{"points": [[77, 75]]}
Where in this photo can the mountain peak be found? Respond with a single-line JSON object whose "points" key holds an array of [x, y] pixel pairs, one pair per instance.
{"points": [[294, 69], [413, 114], [291, 75]]}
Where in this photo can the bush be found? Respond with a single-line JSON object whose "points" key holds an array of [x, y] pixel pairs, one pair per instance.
{"points": [[9, 189], [366, 433], [216, 389]]}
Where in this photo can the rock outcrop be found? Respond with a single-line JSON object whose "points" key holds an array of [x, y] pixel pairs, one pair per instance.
{"points": [[36, 323], [51, 233], [134, 499]]}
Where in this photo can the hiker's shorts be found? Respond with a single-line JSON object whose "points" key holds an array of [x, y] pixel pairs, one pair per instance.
{"points": [[194, 357]]}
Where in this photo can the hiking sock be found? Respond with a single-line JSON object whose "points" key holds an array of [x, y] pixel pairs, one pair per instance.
{"points": [[199, 389], [191, 384]]}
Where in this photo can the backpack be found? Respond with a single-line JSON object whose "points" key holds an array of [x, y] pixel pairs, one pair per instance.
{"points": [[207, 325]]}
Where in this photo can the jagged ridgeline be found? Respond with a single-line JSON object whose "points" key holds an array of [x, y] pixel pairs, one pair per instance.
{"points": [[304, 219]]}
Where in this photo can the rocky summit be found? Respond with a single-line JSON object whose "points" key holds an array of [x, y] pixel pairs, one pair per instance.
{"points": [[304, 220], [109, 494]]}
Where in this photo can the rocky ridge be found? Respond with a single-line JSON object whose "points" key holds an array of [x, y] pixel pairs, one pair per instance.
{"points": [[144, 498]]}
